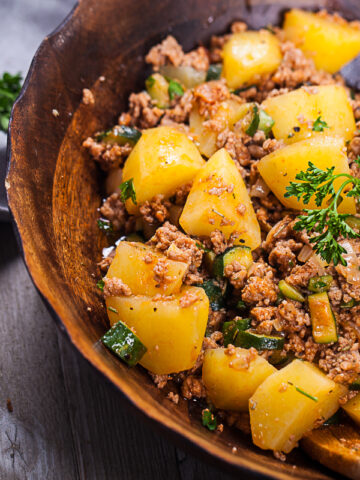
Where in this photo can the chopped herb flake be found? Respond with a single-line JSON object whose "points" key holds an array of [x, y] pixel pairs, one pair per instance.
{"points": [[105, 225], [319, 125], [112, 309], [175, 89], [100, 285], [209, 420], [300, 390], [127, 190]]}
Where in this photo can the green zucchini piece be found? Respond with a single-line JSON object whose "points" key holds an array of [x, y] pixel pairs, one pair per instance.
{"points": [[214, 293], [353, 222], [231, 329], [241, 305], [240, 253], [214, 72], [320, 283], [355, 385], [208, 259], [290, 292], [135, 237], [322, 319], [124, 343], [120, 134], [260, 121], [351, 303], [334, 419], [265, 122], [254, 124], [279, 360], [248, 339], [158, 89]]}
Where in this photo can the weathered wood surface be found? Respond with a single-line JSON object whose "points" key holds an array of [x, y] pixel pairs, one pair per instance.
{"points": [[67, 422]]}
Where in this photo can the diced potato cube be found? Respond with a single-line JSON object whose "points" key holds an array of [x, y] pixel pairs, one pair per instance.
{"points": [[230, 380], [289, 403], [219, 200], [248, 55], [162, 160], [329, 43], [280, 167], [352, 408], [173, 334], [295, 112], [142, 279], [228, 113]]}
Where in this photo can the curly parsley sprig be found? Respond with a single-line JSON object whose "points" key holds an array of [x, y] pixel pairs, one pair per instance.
{"points": [[326, 223], [10, 86]]}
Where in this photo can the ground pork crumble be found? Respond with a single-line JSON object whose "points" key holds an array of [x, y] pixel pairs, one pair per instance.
{"points": [[278, 258]]}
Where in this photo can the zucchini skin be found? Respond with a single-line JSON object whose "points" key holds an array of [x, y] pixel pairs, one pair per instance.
{"points": [[215, 294], [240, 253], [248, 339], [323, 321], [290, 292], [231, 329], [121, 135], [320, 283], [124, 343]]}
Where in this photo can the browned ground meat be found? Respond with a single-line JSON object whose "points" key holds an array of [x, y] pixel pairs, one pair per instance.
{"points": [[278, 256]]}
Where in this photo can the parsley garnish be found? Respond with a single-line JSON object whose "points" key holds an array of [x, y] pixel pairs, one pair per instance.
{"points": [[251, 130], [100, 285], [319, 125], [105, 225], [10, 86], [127, 190], [175, 89], [326, 223], [209, 420], [300, 390]]}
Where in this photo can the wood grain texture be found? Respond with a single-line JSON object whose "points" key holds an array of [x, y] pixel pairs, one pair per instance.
{"points": [[35, 438]]}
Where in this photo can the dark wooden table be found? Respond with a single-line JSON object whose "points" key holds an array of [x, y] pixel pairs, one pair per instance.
{"points": [[58, 418]]}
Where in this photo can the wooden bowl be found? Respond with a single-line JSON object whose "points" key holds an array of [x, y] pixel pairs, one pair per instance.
{"points": [[54, 189]]}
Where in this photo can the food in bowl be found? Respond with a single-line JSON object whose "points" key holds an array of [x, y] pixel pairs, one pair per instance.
{"points": [[232, 269]]}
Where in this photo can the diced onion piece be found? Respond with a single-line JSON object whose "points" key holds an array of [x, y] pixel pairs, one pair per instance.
{"points": [[259, 189], [352, 270], [305, 253], [186, 75]]}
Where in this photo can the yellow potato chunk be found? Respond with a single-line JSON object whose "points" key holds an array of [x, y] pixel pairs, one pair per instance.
{"points": [[219, 200], [280, 167], [171, 331], [330, 44], [248, 55], [281, 411], [228, 113], [300, 109], [230, 380], [134, 264], [161, 161], [352, 408]]}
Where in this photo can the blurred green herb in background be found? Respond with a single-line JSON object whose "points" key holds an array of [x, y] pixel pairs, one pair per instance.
{"points": [[10, 86]]}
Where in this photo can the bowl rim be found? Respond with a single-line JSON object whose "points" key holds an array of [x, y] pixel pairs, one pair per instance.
{"points": [[201, 447]]}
